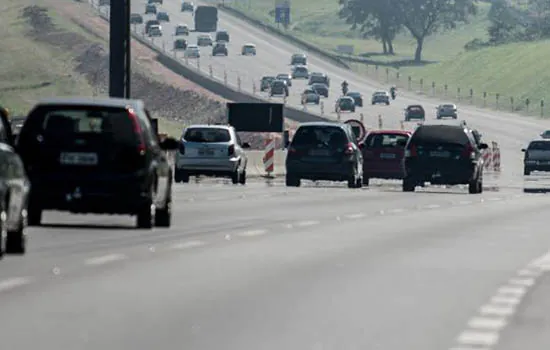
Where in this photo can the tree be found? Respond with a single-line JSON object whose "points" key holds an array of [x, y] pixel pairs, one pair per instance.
{"points": [[425, 17], [374, 18]]}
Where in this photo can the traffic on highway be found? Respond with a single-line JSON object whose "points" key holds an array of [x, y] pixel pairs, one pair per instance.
{"points": [[116, 236]]}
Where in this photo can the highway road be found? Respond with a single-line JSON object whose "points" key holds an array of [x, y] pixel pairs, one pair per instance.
{"points": [[318, 267]]}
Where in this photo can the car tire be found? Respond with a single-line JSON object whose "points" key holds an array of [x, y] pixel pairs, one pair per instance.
{"points": [[292, 181], [365, 181], [408, 185], [34, 214], [146, 216], [163, 216], [352, 181], [387, 103], [474, 185], [526, 171], [235, 177], [242, 179], [16, 241], [359, 182]]}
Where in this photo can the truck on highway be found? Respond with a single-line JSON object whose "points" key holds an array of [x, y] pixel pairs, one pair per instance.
{"points": [[206, 19]]}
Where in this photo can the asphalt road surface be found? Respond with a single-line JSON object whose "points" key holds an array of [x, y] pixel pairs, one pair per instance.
{"points": [[318, 267]]}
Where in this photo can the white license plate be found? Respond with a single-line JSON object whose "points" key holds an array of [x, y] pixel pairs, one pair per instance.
{"points": [[206, 152], [319, 152], [440, 154], [387, 155], [74, 158]]}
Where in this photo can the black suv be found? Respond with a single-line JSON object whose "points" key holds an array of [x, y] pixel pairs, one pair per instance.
{"points": [[222, 35], [101, 156], [219, 48], [324, 151], [444, 154]]}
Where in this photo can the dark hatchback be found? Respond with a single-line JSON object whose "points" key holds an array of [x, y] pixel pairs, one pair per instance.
{"points": [[320, 88], [357, 98], [324, 151], [278, 87], [443, 154], [415, 112], [100, 156], [265, 83]]}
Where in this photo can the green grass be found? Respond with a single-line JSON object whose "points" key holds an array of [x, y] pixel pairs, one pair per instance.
{"points": [[318, 22], [26, 64]]}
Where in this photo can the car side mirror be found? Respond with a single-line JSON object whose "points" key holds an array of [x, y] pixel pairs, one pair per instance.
{"points": [[246, 145], [169, 144], [523, 150], [483, 146]]}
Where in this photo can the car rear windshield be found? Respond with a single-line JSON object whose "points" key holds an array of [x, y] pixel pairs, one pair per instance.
{"points": [[317, 78], [300, 69], [539, 146], [319, 135], [207, 135], [386, 140], [440, 134]]}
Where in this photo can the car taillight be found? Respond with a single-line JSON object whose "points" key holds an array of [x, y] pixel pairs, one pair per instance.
{"points": [[469, 152], [137, 130], [231, 150], [411, 152], [349, 149], [182, 148]]}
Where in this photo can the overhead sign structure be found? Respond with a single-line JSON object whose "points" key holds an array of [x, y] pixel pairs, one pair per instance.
{"points": [[256, 117], [358, 129], [282, 12]]}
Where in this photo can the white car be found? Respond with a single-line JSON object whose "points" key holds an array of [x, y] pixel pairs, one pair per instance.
{"points": [[211, 150], [181, 29], [248, 49], [204, 40], [155, 31], [192, 51]]}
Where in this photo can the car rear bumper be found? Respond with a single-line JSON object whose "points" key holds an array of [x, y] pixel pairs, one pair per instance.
{"points": [[101, 195], [537, 167], [204, 166], [442, 174], [323, 171], [383, 172]]}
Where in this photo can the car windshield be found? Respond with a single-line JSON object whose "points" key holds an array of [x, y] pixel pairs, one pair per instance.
{"points": [[207, 135], [386, 140], [319, 135], [539, 146]]}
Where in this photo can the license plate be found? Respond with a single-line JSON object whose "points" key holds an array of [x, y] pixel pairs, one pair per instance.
{"points": [[73, 158], [440, 154], [319, 152], [206, 152], [387, 155]]}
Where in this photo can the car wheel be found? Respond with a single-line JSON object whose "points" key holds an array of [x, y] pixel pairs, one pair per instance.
{"points": [[146, 215], [16, 241], [359, 182], [526, 171], [163, 216], [292, 181], [235, 177], [34, 214], [242, 179], [352, 181], [387, 103], [408, 185], [365, 181], [473, 186]]}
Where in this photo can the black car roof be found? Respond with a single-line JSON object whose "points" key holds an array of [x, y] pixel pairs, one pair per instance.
{"points": [[440, 133], [92, 101]]}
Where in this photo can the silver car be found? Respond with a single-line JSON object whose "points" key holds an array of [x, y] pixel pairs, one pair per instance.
{"points": [[300, 72], [447, 111], [211, 150]]}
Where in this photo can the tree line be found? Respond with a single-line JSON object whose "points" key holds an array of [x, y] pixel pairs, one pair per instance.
{"points": [[384, 19]]}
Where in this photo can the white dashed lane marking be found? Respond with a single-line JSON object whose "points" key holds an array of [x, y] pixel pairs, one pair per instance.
{"points": [[13, 283], [307, 223], [188, 245], [100, 260], [356, 216], [252, 233], [483, 331]]}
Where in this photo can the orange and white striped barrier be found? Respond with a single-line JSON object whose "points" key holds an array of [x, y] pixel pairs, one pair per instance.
{"points": [[496, 157], [269, 156], [487, 159], [380, 123]]}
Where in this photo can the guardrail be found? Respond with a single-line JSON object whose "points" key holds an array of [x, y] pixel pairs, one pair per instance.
{"points": [[191, 70]]}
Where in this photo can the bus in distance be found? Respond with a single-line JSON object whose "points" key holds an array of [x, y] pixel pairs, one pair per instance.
{"points": [[206, 19]]}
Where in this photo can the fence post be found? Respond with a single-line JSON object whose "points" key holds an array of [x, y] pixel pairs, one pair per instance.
{"points": [[497, 96], [433, 88], [254, 87], [211, 70], [322, 106], [410, 82], [484, 99], [397, 75], [387, 75], [198, 63], [421, 84], [239, 82], [471, 96], [380, 122], [527, 102], [458, 94], [512, 103], [225, 77], [541, 108], [376, 70], [446, 87]]}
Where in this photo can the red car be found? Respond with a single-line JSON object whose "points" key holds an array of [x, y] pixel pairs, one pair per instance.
{"points": [[383, 152]]}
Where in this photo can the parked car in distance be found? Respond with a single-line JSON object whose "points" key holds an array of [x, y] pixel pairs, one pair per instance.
{"points": [[536, 156]]}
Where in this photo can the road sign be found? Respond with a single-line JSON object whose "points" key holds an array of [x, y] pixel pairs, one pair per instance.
{"points": [[358, 129], [282, 15], [256, 117]]}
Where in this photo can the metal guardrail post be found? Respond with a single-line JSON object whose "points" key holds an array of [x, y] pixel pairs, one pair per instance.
{"points": [[211, 70], [198, 63], [225, 77], [254, 87], [239, 82]]}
